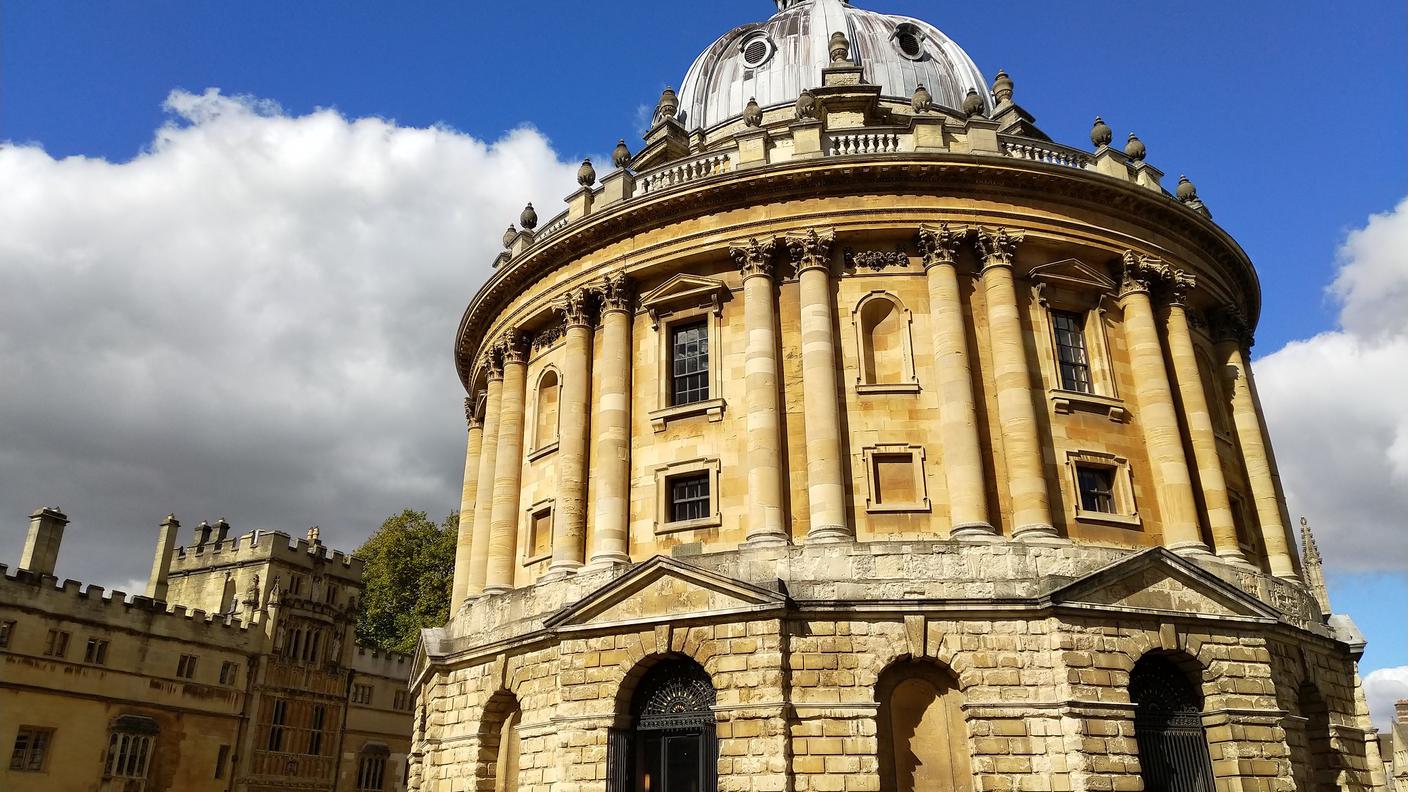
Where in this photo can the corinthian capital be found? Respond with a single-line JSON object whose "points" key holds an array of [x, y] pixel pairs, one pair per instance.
{"points": [[471, 415], [1142, 273], [997, 247], [576, 308], [754, 258], [493, 363], [1180, 283], [617, 293], [811, 250], [1230, 324], [939, 245], [513, 345]]}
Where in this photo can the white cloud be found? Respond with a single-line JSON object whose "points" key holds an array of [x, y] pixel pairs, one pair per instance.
{"points": [[251, 319], [1382, 688], [1336, 406]]}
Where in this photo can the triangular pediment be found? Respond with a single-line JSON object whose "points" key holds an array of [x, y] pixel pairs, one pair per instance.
{"points": [[663, 589], [684, 289], [1157, 580], [1073, 274]]}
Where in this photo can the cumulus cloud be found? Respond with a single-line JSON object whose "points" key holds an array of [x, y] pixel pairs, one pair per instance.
{"points": [[252, 319], [1336, 407], [1382, 688]]}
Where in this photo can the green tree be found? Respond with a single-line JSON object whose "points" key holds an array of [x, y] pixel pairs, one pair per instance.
{"points": [[409, 565]]}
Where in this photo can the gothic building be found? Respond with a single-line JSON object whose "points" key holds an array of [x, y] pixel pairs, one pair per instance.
{"points": [[854, 435], [235, 671]]}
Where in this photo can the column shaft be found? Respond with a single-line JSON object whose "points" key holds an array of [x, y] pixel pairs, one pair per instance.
{"points": [[569, 524], [1162, 436], [1204, 440], [766, 523], [484, 489], [611, 429], [826, 489], [1256, 456], [465, 537], [508, 471], [1021, 435], [958, 413]]}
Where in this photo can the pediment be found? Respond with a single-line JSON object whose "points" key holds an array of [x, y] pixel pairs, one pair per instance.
{"points": [[684, 290], [1073, 274], [663, 589], [1157, 580]]}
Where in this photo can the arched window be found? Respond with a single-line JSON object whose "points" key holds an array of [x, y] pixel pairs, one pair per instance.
{"points": [[923, 740], [500, 741], [882, 335], [545, 427], [670, 746], [1313, 758], [1168, 726]]}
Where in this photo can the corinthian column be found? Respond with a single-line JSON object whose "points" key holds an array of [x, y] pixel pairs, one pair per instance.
{"points": [[464, 539], [826, 490], [1199, 420], [1233, 341], [1021, 437], [1157, 416], [958, 414], [569, 537], [508, 467], [484, 489], [611, 426], [766, 524]]}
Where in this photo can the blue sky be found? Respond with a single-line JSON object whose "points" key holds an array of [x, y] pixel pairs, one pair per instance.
{"points": [[1289, 116]]}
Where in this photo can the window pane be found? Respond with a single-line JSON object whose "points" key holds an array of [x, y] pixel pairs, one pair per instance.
{"points": [[689, 356], [1071, 353], [1096, 489], [689, 497]]}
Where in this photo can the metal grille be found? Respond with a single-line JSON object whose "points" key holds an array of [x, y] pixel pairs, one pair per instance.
{"points": [[1168, 726], [689, 355], [675, 695], [756, 52], [689, 497], [1071, 353], [1096, 488]]}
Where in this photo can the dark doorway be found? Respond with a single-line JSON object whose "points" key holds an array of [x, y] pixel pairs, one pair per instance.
{"points": [[1168, 725], [670, 746]]}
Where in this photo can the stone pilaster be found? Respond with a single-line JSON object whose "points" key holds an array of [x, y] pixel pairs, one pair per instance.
{"points": [[826, 488], [484, 489], [1233, 341], [1157, 416], [464, 539], [958, 416], [767, 524], [1198, 418], [611, 426], [508, 467], [569, 539], [1021, 434]]}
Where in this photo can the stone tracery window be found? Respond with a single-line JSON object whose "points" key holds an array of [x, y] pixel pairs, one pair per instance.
{"points": [[923, 738], [131, 740]]}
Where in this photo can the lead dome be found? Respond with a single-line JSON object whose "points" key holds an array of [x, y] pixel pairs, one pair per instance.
{"points": [[775, 60]]}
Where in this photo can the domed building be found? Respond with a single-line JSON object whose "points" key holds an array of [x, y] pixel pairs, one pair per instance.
{"points": [[853, 435]]}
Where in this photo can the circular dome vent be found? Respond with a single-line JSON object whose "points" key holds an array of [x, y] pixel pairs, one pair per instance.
{"points": [[756, 50], [910, 41]]}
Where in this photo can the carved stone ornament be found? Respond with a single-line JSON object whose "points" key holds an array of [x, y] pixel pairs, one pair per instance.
{"points": [[996, 247], [668, 106], [1230, 324], [529, 218], [1100, 133], [513, 345], [876, 260], [940, 245], [806, 106], [621, 157], [251, 592], [1134, 148], [547, 336], [754, 258], [923, 101], [752, 114], [839, 48], [1142, 273], [576, 308], [1180, 283], [470, 415], [510, 235], [586, 175], [811, 250], [617, 293], [493, 364], [1002, 87], [1187, 194], [972, 103]]}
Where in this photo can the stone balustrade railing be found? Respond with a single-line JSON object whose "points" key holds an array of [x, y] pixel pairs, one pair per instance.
{"points": [[553, 226], [675, 174], [869, 141], [1039, 151]]}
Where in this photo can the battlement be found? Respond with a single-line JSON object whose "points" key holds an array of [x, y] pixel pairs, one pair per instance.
{"points": [[266, 546], [71, 600], [369, 660]]}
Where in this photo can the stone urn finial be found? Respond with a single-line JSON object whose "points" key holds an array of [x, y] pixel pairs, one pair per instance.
{"points": [[972, 103], [839, 48], [529, 218], [586, 175], [510, 235], [1134, 148], [621, 157], [752, 114], [1002, 87], [806, 105], [1186, 190], [668, 106], [922, 101], [1100, 133]]}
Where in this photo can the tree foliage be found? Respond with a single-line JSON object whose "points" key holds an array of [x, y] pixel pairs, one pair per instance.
{"points": [[409, 565]]}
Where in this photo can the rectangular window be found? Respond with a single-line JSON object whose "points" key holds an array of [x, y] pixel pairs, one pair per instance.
{"points": [[315, 736], [129, 757], [222, 758], [399, 701], [371, 771], [7, 628], [362, 694], [31, 749], [689, 496], [96, 652], [57, 644], [186, 667], [1097, 488], [229, 672], [689, 359], [1071, 353], [276, 726]]}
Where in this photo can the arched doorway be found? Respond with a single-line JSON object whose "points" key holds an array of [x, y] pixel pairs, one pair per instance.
{"points": [[500, 743], [1168, 726], [670, 745], [1313, 759], [923, 740]]}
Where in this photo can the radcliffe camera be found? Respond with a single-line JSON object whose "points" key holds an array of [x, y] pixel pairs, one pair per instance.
{"points": [[840, 411]]}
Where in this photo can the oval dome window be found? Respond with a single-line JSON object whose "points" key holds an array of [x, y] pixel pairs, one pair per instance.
{"points": [[910, 41], [756, 50]]}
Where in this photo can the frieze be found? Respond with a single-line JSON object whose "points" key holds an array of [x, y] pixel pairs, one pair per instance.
{"points": [[875, 260]]}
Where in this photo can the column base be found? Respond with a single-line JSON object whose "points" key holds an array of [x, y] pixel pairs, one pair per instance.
{"points": [[1235, 559], [1040, 534], [606, 561], [829, 534], [1192, 550], [492, 590], [558, 571], [975, 532], [766, 540]]}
